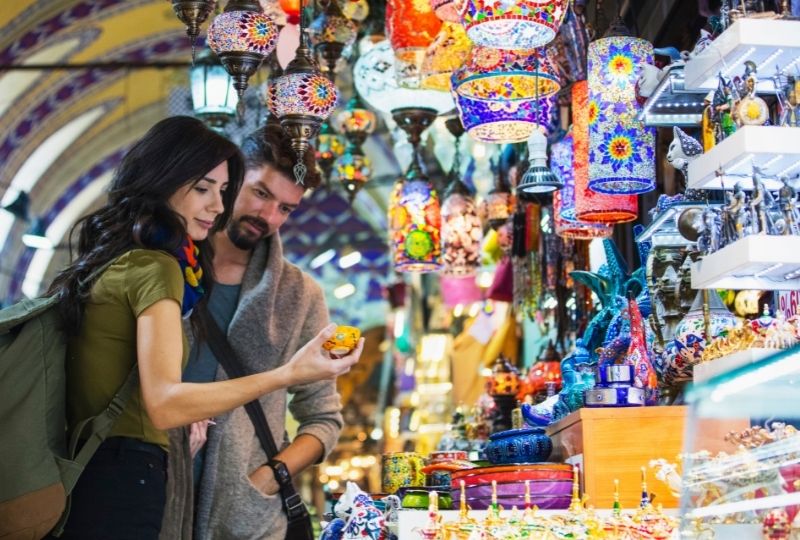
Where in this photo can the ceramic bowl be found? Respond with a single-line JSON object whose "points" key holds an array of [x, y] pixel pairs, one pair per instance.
{"points": [[527, 445]]}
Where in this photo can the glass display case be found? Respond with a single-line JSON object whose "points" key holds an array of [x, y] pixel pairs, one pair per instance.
{"points": [[753, 490]]}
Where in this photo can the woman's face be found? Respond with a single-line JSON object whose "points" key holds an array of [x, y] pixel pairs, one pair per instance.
{"points": [[200, 203]]}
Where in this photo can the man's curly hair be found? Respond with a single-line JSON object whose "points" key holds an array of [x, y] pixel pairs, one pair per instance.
{"points": [[271, 146]]}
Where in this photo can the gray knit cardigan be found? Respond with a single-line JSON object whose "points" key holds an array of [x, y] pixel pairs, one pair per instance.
{"points": [[280, 309]]}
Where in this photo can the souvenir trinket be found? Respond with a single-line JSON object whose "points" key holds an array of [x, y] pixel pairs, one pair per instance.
{"points": [[343, 340]]}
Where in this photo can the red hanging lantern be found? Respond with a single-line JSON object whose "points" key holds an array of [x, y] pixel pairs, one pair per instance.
{"points": [[292, 10]]}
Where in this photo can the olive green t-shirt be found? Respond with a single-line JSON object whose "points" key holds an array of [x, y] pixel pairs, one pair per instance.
{"points": [[102, 355]]}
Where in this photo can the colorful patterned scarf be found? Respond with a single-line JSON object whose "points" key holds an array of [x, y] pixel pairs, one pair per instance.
{"points": [[187, 256]]}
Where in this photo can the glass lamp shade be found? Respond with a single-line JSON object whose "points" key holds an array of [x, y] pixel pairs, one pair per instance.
{"points": [[462, 233], [243, 31], [446, 10], [292, 10], [352, 169], [331, 26], [354, 119], [357, 10], [302, 93], [513, 24], [375, 82], [591, 206], [213, 96], [411, 26], [621, 148], [414, 227], [504, 122], [566, 224], [448, 52], [505, 74]]}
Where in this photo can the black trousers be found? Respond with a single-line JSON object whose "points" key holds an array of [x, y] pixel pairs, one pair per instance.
{"points": [[121, 494]]}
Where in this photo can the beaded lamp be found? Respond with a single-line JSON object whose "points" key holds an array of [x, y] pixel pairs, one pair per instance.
{"points": [[513, 24], [506, 75], [411, 26], [353, 169], [242, 36], [462, 231], [193, 13], [501, 122], [621, 148], [301, 99], [374, 79], [448, 52], [330, 33], [330, 145], [566, 224], [414, 212], [591, 206]]}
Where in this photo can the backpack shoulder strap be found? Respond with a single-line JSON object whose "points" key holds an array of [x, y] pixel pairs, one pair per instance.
{"points": [[24, 311]]}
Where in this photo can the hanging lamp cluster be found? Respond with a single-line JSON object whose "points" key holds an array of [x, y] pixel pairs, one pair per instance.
{"points": [[352, 169]]}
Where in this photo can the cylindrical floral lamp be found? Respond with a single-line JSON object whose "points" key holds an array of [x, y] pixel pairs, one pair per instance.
{"points": [[566, 223], [621, 148], [513, 24], [591, 206], [411, 26]]}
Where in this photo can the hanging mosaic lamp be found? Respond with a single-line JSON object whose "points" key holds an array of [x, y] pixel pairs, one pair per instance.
{"points": [[446, 10], [591, 206], [411, 26], [538, 178], [301, 99], [353, 169], [330, 145], [374, 79], [448, 52], [331, 32], [504, 122], [414, 214], [513, 24], [499, 202], [621, 148], [242, 36], [506, 75], [356, 10], [462, 230], [193, 13], [566, 224]]}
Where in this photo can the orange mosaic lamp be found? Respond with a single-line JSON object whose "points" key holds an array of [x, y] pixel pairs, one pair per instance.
{"points": [[411, 26], [590, 206], [448, 52]]}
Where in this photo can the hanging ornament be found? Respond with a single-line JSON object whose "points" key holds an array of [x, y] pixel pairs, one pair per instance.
{"points": [[414, 212], [330, 145], [331, 32], [353, 169], [566, 223], [193, 13], [622, 149], [499, 201], [448, 51], [513, 24], [462, 231], [411, 26], [292, 10], [374, 79], [301, 99], [242, 36], [591, 206]]}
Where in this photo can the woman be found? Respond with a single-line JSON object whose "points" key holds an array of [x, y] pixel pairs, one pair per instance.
{"points": [[137, 273]]}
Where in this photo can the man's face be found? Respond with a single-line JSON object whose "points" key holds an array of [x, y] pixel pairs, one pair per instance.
{"points": [[266, 200]]}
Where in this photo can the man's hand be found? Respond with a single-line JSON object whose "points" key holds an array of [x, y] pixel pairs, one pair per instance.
{"points": [[264, 480], [198, 434]]}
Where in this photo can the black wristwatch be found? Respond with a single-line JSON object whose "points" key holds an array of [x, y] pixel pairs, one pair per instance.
{"points": [[281, 472]]}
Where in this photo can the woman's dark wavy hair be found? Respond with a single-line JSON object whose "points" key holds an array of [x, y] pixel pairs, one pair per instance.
{"points": [[175, 152]]}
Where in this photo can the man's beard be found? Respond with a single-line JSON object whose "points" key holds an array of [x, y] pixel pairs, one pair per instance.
{"points": [[243, 238]]}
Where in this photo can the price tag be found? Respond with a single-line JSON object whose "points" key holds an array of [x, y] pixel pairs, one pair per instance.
{"points": [[787, 302]]}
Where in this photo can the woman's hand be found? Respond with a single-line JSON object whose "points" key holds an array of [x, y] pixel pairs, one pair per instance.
{"points": [[198, 435], [311, 363]]}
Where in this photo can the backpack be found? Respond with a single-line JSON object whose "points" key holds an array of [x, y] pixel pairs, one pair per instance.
{"points": [[38, 469]]}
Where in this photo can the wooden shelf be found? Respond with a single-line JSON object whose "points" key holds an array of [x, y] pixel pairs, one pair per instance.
{"points": [[755, 262], [774, 149]]}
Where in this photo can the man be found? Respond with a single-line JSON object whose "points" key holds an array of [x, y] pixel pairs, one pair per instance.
{"points": [[270, 309]]}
